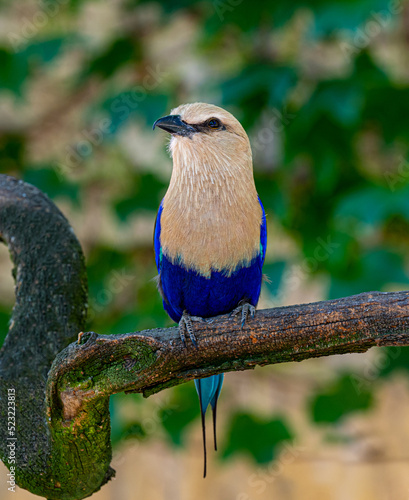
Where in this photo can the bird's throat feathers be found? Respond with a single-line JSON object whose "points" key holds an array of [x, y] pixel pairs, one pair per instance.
{"points": [[211, 215]]}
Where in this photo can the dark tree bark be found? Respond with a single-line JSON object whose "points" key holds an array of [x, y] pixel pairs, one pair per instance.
{"points": [[63, 380]]}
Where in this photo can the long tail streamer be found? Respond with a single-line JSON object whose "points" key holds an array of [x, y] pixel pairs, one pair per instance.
{"points": [[208, 390]]}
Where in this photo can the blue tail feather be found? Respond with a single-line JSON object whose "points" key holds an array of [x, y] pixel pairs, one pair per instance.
{"points": [[213, 404], [208, 390]]}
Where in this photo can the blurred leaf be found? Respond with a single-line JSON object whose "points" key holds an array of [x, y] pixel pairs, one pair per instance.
{"points": [[373, 205], [137, 104], [272, 197], [352, 16], [374, 270], [12, 151], [395, 358], [4, 323], [43, 51], [145, 196], [385, 106], [341, 100], [50, 183], [133, 431], [237, 14], [338, 400], [17, 67], [367, 73], [122, 429], [109, 270], [169, 6], [121, 51], [182, 409], [14, 71], [127, 322], [150, 308], [257, 437], [259, 86]]}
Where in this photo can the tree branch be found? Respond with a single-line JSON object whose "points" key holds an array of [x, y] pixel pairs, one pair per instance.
{"points": [[72, 427], [150, 360]]}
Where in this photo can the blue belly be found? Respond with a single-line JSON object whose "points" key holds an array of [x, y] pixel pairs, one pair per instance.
{"points": [[206, 297]]}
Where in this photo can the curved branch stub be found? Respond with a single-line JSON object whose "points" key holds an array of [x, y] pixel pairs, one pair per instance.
{"points": [[50, 309]]}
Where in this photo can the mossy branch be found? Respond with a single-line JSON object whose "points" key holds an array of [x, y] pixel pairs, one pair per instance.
{"points": [[63, 380]]}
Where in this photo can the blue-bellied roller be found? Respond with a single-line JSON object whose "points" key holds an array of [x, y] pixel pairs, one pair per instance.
{"points": [[210, 232]]}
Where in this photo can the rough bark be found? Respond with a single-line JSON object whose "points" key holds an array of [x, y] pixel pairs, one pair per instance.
{"points": [[50, 310], [63, 387]]}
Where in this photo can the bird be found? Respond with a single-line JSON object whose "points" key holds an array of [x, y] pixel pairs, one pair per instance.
{"points": [[210, 233]]}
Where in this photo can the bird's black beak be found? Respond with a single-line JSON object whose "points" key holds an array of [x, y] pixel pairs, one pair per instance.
{"points": [[175, 125]]}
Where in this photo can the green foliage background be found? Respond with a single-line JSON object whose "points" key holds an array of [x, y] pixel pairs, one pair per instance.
{"points": [[322, 89]]}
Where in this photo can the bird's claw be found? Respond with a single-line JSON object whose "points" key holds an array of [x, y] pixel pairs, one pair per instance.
{"points": [[244, 308], [185, 324]]}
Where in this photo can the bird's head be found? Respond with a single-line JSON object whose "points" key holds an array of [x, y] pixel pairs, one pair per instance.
{"points": [[204, 133]]}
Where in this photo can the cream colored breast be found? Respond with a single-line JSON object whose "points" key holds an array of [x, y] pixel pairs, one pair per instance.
{"points": [[211, 222]]}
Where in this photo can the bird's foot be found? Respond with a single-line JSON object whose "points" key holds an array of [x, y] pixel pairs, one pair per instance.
{"points": [[185, 324], [244, 309]]}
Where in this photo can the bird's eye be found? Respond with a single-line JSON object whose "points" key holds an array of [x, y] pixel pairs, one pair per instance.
{"points": [[213, 123]]}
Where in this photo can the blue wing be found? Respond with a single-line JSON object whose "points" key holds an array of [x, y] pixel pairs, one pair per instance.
{"points": [[174, 287], [156, 238], [263, 234]]}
